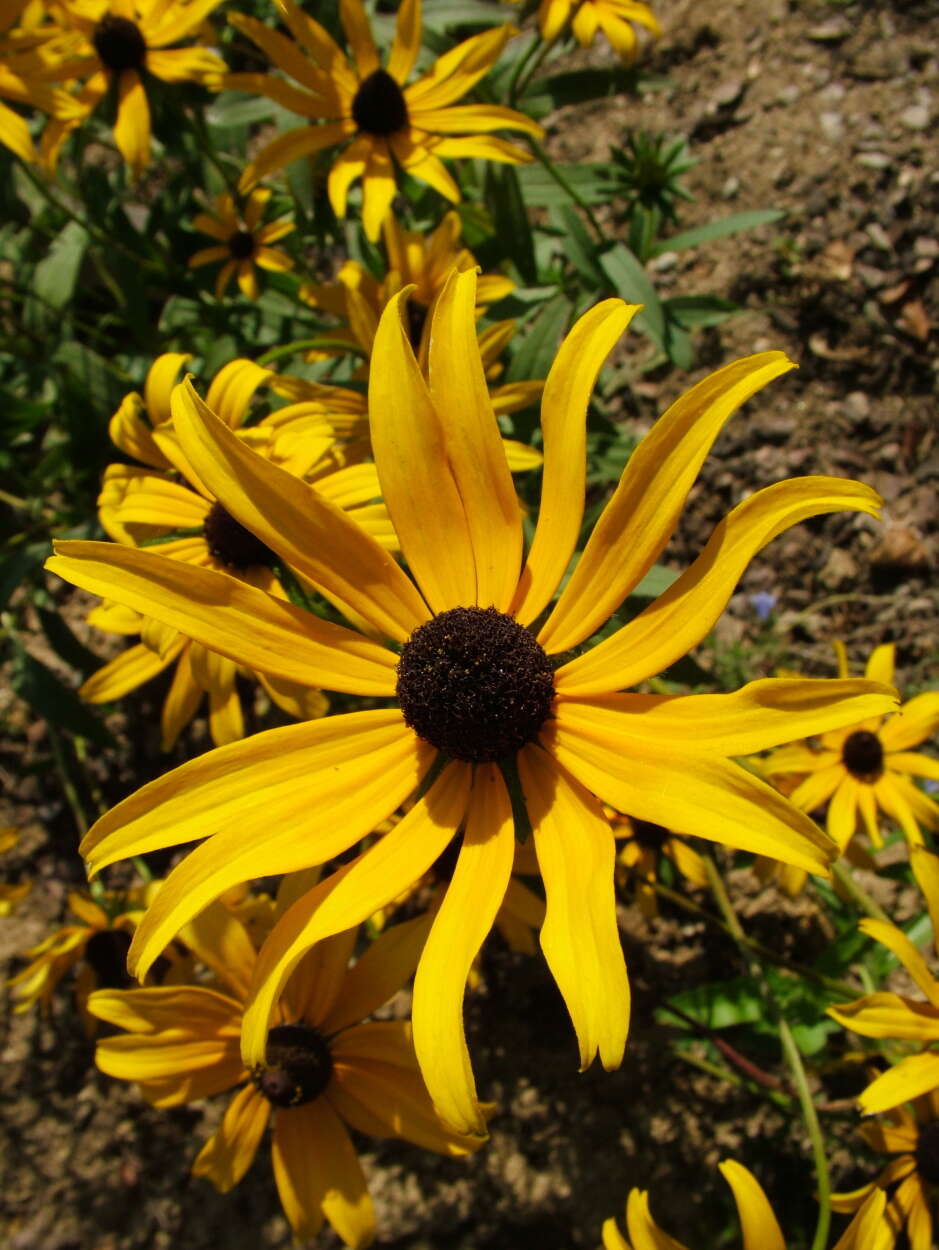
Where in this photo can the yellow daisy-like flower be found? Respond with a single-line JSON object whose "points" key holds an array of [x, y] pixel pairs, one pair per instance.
{"points": [[887, 1015], [382, 123], [474, 678], [322, 1073], [911, 1179], [869, 1230], [642, 845], [117, 42], [868, 766], [615, 18], [28, 65], [244, 242]]}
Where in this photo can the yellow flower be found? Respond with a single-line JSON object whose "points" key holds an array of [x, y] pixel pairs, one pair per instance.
{"points": [[642, 845], [914, 1139], [472, 684], [868, 766], [384, 124], [28, 64], [614, 17], [890, 1015], [244, 242], [869, 1230], [322, 1073], [117, 42], [10, 895]]}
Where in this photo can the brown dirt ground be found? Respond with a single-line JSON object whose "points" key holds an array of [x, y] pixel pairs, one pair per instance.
{"points": [[829, 112]]}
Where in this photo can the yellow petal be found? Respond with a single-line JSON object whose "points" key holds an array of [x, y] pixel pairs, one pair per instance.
{"points": [[881, 664], [158, 1056], [641, 516], [708, 797], [564, 429], [643, 1230], [473, 444], [760, 1227], [455, 72], [841, 821], [612, 1238], [359, 35], [230, 1151], [318, 980], [198, 1010], [181, 702], [818, 787], [417, 482], [229, 616], [896, 940], [908, 1079], [407, 40], [398, 859], [222, 943], [290, 147], [580, 936], [311, 534], [668, 628], [893, 792], [925, 864], [460, 927], [889, 1015], [913, 723], [378, 975], [126, 672], [132, 128]]}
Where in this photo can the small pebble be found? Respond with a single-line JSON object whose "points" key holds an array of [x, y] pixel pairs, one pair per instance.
{"points": [[916, 117]]}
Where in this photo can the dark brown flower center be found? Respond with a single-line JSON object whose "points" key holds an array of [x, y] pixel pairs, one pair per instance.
{"points": [[241, 245], [379, 107], [651, 837], [230, 542], [119, 43], [297, 1066], [927, 1152], [106, 953], [863, 755], [474, 684]]}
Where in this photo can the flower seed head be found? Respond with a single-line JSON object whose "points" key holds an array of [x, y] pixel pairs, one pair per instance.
{"points": [[863, 755], [119, 43], [379, 107], [297, 1067], [241, 245], [230, 542], [475, 684]]}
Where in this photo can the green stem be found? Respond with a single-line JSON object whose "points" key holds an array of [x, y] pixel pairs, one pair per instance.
{"points": [[810, 1115], [540, 48], [857, 893], [71, 793], [566, 187]]}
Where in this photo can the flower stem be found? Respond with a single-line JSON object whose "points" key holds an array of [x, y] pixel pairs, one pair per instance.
{"points": [[857, 892], [566, 186], [810, 1115]]}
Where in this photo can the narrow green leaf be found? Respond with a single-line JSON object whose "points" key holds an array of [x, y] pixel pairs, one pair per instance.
{"points": [[537, 348], [632, 283], [56, 274], [718, 229], [54, 702]]}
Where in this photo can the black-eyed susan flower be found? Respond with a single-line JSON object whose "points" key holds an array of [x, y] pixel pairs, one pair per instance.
{"points": [[911, 1178], [380, 122], [895, 1016], [642, 846], [860, 769], [617, 20], [117, 44], [29, 66], [869, 1230], [244, 243], [477, 676], [325, 1068]]}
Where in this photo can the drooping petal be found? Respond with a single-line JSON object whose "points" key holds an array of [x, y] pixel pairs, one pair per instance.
{"points": [[640, 517], [818, 787], [222, 943], [359, 35], [127, 671], [668, 628], [644, 1233], [416, 479], [230, 1151], [567, 393], [869, 1230], [925, 865], [311, 534], [384, 968], [913, 723], [200, 1010], [473, 443], [580, 936], [760, 1227], [378, 189], [896, 941], [318, 979], [132, 128], [229, 616], [889, 1015], [370, 882], [290, 147], [908, 1079], [460, 927], [841, 821], [892, 791], [407, 41], [159, 1056]]}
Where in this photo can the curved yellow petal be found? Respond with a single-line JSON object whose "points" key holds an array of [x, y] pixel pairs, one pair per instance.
{"points": [[925, 864], [906, 1080], [760, 1227], [231, 617], [644, 1233], [580, 936], [668, 628], [290, 147], [132, 128], [889, 1015], [465, 917], [378, 189], [221, 942], [407, 40], [230, 1151], [156, 1056], [398, 859], [882, 663], [640, 517], [378, 974], [913, 723], [200, 1011], [127, 671], [359, 35], [311, 534], [473, 443], [896, 941], [818, 787], [564, 404], [869, 1230]]}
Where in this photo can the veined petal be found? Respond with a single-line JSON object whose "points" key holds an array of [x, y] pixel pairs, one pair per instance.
{"points": [[229, 616], [896, 940], [818, 787], [319, 978], [306, 530], [473, 444], [709, 797], [869, 1230], [889, 1015], [760, 1227], [318, 1173], [455, 72], [384, 968], [567, 393], [465, 917], [222, 943], [640, 517], [230, 1151], [309, 804], [580, 936], [202, 1011], [127, 671], [407, 41], [913, 723], [293, 145], [906, 1080], [475, 119], [232, 388], [668, 628], [762, 714], [352, 895], [417, 482], [644, 1233], [156, 1056], [152, 500]]}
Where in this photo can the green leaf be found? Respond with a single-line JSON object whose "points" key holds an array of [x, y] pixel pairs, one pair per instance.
{"points": [[718, 229], [54, 702], [655, 583], [17, 566], [632, 283], [578, 247], [64, 643], [590, 181], [719, 1005], [535, 352], [56, 274], [506, 204], [576, 86], [696, 311]]}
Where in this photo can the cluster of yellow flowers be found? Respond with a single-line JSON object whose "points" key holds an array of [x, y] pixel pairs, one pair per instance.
{"points": [[324, 543]]}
